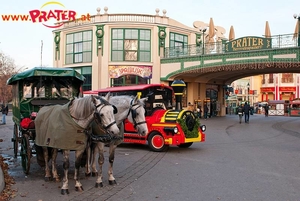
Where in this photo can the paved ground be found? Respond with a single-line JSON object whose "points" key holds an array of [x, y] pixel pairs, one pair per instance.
{"points": [[252, 162]]}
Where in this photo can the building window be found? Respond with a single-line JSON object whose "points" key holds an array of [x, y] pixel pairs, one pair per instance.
{"points": [[178, 44], [287, 78], [271, 79], [131, 45], [128, 80], [86, 71], [79, 47]]}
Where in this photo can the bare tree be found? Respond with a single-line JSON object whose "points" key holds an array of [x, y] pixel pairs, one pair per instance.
{"points": [[7, 69]]}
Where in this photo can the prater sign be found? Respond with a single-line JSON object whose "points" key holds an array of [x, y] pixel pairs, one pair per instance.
{"points": [[248, 43]]}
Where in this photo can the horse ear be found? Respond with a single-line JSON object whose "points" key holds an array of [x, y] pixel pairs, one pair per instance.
{"points": [[107, 96], [93, 99], [135, 99]]}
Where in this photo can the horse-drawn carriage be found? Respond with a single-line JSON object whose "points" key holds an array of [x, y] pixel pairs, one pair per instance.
{"points": [[33, 89]]}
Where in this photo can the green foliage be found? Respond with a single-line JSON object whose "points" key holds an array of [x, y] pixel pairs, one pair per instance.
{"points": [[190, 134]]}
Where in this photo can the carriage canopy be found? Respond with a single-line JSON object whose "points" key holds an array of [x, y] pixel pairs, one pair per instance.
{"points": [[45, 72]]}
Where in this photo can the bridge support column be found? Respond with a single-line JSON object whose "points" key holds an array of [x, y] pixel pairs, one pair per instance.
{"points": [[221, 101]]}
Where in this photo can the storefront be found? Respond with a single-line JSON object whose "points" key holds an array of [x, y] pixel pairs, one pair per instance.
{"points": [[294, 110]]}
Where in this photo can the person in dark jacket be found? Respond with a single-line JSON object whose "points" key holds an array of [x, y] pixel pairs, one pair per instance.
{"points": [[205, 111], [266, 110], [246, 110], [4, 113]]}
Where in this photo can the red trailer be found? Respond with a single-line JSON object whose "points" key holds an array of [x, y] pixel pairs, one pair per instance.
{"points": [[168, 125]]}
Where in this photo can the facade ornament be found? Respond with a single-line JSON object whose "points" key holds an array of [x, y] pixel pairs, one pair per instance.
{"points": [[57, 45], [98, 10], [99, 34], [162, 37]]}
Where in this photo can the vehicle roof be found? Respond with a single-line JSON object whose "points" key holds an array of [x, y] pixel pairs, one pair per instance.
{"points": [[46, 71], [139, 87]]}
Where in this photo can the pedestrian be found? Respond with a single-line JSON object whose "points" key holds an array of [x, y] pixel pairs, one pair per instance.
{"points": [[4, 110], [246, 110], [199, 111], [205, 111], [190, 107], [239, 111], [266, 110]]}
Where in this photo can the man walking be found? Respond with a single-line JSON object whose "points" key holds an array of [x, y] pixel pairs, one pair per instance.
{"points": [[246, 110], [4, 113]]}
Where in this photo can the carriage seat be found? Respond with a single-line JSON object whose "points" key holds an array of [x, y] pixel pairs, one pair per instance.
{"points": [[28, 122]]}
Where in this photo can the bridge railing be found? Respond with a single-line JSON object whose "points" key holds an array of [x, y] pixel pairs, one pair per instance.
{"points": [[278, 41]]}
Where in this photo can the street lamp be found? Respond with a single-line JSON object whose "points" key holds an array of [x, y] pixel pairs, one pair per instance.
{"points": [[203, 31], [248, 86], [298, 18]]}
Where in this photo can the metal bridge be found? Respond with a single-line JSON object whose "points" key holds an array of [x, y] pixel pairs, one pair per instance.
{"points": [[211, 63]]}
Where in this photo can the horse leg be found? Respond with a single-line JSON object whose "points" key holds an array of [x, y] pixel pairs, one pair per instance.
{"points": [[54, 169], [88, 159], [111, 178], [66, 165], [100, 147], [78, 156], [96, 151], [47, 169]]}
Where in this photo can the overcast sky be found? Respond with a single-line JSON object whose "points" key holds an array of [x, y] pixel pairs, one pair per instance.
{"points": [[22, 40]]}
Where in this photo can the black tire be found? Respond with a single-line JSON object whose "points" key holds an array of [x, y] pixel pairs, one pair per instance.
{"points": [[25, 153], [156, 142], [16, 140], [185, 145], [40, 155]]}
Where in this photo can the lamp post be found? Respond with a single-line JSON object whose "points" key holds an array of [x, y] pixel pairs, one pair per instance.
{"points": [[298, 18], [248, 87], [203, 31]]}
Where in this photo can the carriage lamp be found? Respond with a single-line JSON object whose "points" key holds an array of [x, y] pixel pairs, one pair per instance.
{"points": [[203, 128]]}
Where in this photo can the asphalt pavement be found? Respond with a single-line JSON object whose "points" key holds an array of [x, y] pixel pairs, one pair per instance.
{"points": [[236, 162]]}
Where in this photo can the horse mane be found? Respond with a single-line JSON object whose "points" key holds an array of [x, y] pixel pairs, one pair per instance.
{"points": [[82, 107]]}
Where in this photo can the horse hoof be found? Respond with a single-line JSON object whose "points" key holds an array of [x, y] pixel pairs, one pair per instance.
{"points": [[87, 174], [48, 179], [99, 185], [112, 182], [64, 191], [94, 174], [80, 188]]}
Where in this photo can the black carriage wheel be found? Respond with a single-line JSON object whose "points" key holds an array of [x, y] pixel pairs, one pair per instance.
{"points": [[185, 145], [156, 142], [25, 153], [16, 140], [40, 155]]}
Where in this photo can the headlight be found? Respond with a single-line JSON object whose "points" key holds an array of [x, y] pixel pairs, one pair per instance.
{"points": [[175, 130], [203, 128]]}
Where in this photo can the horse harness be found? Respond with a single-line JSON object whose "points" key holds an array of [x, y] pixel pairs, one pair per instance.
{"points": [[134, 113], [107, 138]]}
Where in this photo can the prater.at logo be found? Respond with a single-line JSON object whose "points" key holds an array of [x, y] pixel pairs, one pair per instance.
{"points": [[43, 16]]}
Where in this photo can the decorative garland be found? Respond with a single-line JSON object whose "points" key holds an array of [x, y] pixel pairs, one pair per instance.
{"points": [[190, 134]]}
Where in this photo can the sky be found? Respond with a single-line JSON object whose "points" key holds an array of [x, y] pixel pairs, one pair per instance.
{"points": [[22, 40]]}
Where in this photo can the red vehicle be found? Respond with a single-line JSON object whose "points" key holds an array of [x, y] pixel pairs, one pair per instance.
{"points": [[167, 125]]}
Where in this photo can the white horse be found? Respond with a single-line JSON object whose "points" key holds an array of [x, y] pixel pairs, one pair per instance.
{"points": [[64, 127], [128, 107]]}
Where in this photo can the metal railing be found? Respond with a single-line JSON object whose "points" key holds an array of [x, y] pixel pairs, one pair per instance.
{"points": [[278, 41]]}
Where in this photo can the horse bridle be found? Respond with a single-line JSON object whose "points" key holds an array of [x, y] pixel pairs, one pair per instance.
{"points": [[133, 113], [97, 114]]}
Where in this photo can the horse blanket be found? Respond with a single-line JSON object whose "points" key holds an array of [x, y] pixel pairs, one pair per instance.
{"points": [[55, 128]]}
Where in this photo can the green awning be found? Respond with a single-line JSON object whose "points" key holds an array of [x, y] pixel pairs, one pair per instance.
{"points": [[45, 71]]}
